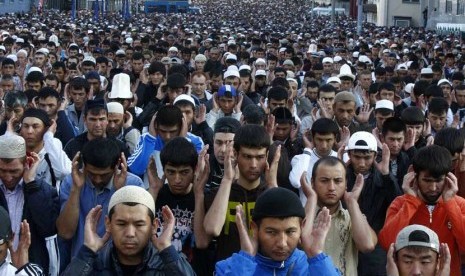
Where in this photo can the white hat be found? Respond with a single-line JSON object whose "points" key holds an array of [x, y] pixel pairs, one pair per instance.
{"points": [[364, 59], [328, 60], [173, 49], [441, 81], [402, 67], [90, 58], [386, 104], [44, 51], [355, 54], [409, 88], [115, 107], [2, 48], [362, 140], [22, 51], [426, 71], [288, 62], [260, 73], [184, 97], [386, 51], [129, 40], [260, 60], [53, 38], [337, 58], [133, 194], [13, 57], [333, 79], [345, 71], [406, 239], [231, 57], [12, 146], [34, 69], [231, 73], [120, 52], [200, 58], [292, 80], [245, 67], [121, 87], [19, 40], [312, 48]]}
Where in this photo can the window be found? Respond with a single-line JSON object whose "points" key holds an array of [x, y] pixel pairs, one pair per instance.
{"points": [[411, 1], [449, 6], [460, 7]]}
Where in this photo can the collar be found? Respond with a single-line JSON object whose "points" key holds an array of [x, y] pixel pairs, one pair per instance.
{"points": [[18, 186], [108, 186], [339, 210], [268, 262]]}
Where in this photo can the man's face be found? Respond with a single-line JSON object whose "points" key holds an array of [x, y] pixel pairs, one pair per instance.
{"points": [[312, 93], [199, 65], [16, 110], [438, 121], [387, 95], [233, 81], [245, 83], [179, 178], [346, 84], [87, 68], [39, 60], [115, 124], [78, 96], [34, 85], [446, 89], [94, 84], [324, 143], [188, 112], [130, 229], [280, 75], [102, 68], [214, 55], [394, 141], [271, 65], [460, 97], [99, 177], [365, 81], [293, 89], [361, 161], [215, 83], [415, 262], [329, 184], [380, 118], [272, 104], [7, 85], [137, 65], [336, 85], [327, 67], [282, 132], [221, 145], [156, 78], [251, 162], [227, 104], [168, 132], [430, 188], [49, 105], [97, 124], [344, 113], [11, 172], [278, 237], [8, 69], [32, 130], [174, 92], [51, 83], [199, 85]]}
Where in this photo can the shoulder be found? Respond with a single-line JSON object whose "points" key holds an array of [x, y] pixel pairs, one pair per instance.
{"points": [[132, 179]]}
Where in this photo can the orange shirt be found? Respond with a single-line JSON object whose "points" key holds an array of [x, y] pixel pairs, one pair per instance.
{"points": [[447, 220]]}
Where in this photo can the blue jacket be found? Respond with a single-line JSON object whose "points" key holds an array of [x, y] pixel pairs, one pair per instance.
{"points": [[149, 145], [297, 264]]}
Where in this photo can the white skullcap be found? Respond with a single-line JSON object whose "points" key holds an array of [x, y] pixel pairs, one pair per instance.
{"points": [[12, 146], [34, 69], [134, 194], [115, 107], [13, 57]]}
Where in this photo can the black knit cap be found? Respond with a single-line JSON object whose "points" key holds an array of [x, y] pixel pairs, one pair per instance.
{"points": [[5, 226], [227, 125], [278, 203], [39, 114]]}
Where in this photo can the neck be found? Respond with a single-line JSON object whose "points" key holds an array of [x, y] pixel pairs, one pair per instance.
{"points": [[332, 209], [92, 137], [37, 148], [246, 184], [129, 260]]}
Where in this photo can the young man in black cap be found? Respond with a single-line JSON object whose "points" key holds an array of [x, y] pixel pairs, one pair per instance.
{"points": [[19, 264], [277, 230]]}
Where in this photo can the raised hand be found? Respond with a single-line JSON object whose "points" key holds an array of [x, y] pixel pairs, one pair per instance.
{"points": [[216, 106], [340, 151], [184, 127], [391, 266], [270, 125], [12, 123], [307, 143], [128, 119], [202, 172], [364, 114], [376, 133], [409, 184], [229, 167], [450, 187], [164, 240], [409, 139], [201, 115], [161, 92], [53, 127], [30, 168], [325, 112], [247, 245], [78, 176], [318, 236], [383, 166], [155, 183], [271, 171], [152, 130], [91, 239], [356, 190], [345, 135], [426, 128], [444, 260], [119, 175], [20, 256], [295, 131], [290, 106], [238, 106]]}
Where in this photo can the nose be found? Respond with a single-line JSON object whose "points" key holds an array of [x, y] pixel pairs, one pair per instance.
{"points": [[253, 163], [282, 241], [331, 186], [416, 269], [130, 231]]}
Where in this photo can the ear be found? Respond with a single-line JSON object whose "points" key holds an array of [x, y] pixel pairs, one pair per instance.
{"points": [[107, 224], [254, 229]]}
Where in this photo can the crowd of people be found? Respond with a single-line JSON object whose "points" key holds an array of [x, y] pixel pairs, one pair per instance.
{"points": [[252, 139]]}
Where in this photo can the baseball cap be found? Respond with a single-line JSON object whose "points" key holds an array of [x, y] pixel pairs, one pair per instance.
{"points": [[362, 140], [417, 235], [227, 90]]}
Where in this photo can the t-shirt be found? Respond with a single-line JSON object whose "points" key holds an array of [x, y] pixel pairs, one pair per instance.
{"points": [[183, 207]]}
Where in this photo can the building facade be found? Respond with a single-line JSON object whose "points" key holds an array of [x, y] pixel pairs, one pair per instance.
{"points": [[9, 6], [402, 13], [444, 11]]}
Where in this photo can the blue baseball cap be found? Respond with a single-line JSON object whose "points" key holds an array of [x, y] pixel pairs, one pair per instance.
{"points": [[227, 91]]}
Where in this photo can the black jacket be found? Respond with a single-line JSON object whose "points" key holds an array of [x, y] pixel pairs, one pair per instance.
{"points": [[41, 209], [77, 144], [105, 263]]}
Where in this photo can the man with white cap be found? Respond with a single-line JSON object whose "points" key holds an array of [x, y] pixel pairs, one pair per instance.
{"points": [[135, 248], [213, 62], [24, 197], [328, 67], [120, 126], [417, 251]]}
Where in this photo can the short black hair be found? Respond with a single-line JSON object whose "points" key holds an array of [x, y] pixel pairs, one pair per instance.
{"points": [[420, 87], [394, 125], [386, 86], [434, 159], [170, 153], [48, 92], [324, 126], [101, 153], [251, 136], [450, 138], [438, 106], [79, 83], [277, 93], [328, 161], [169, 115], [253, 114]]}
